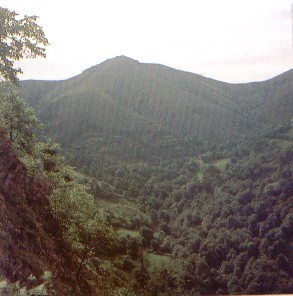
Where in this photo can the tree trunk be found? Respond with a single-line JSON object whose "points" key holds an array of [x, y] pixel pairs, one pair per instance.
{"points": [[81, 262]]}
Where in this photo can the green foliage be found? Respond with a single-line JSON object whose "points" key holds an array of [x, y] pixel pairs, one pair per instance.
{"points": [[19, 121], [156, 263], [159, 119], [221, 212], [19, 38], [74, 207], [237, 215], [146, 235], [71, 204]]}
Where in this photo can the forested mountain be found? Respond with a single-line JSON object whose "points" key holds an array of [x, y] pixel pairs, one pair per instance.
{"points": [[122, 109], [184, 184]]}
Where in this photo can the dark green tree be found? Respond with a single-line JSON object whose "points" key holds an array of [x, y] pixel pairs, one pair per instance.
{"points": [[19, 121]]}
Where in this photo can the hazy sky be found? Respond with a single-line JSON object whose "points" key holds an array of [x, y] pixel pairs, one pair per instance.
{"points": [[234, 41]]}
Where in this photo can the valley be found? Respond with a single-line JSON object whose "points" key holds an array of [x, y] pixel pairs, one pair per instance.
{"points": [[182, 185]]}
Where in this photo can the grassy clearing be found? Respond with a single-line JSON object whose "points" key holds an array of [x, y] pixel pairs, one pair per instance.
{"points": [[121, 208], [199, 176], [289, 132], [221, 163], [154, 262], [80, 178], [283, 143], [125, 232]]}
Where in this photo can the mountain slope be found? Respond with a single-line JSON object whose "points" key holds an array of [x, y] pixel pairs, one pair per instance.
{"points": [[223, 211], [269, 101], [125, 109], [123, 84]]}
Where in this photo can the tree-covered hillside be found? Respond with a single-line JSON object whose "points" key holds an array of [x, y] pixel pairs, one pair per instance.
{"points": [[123, 110], [183, 185], [194, 175], [220, 222], [226, 217]]}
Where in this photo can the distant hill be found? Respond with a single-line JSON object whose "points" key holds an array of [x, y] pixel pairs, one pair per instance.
{"points": [[123, 108]]}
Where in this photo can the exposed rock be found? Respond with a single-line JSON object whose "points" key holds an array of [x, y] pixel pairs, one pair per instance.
{"points": [[30, 240]]}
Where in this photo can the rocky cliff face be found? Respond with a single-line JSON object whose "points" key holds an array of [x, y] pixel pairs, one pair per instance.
{"points": [[30, 241]]}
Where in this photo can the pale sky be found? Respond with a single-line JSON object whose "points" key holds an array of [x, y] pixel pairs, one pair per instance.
{"points": [[233, 41]]}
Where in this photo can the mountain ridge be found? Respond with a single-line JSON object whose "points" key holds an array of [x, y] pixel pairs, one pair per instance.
{"points": [[124, 58], [125, 102], [128, 59]]}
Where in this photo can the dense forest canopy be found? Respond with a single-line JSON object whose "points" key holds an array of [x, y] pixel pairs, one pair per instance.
{"points": [[182, 185]]}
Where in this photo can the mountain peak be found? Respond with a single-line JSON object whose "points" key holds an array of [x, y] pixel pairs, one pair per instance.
{"points": [[118, 60], [122, 58], [125, 58]]}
